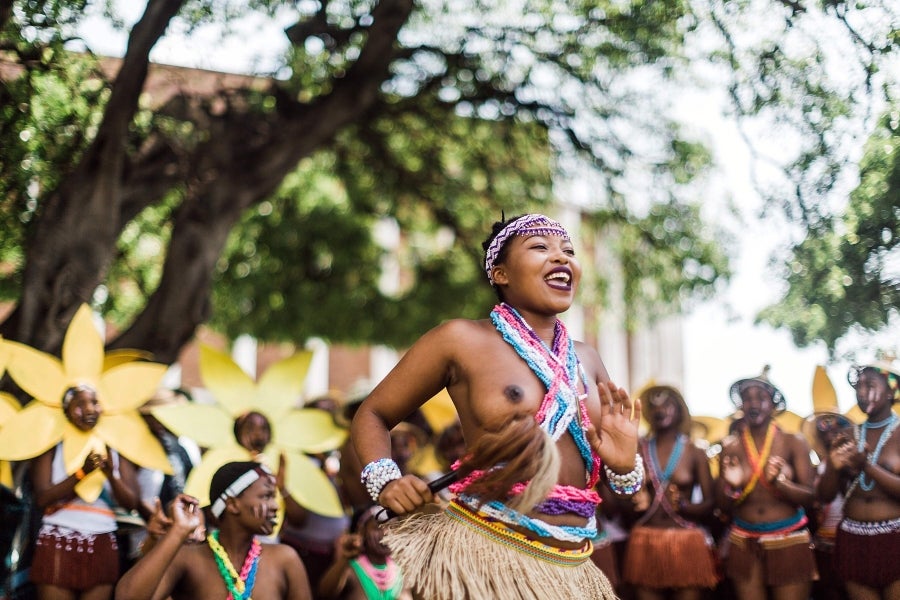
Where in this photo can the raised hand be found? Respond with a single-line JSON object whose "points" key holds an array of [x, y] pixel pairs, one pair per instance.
{"points": [[159, 523], [775, 466], [733, 472], [348, 546], [94, 461], [615, 438], [843, 455], [186, 516]]}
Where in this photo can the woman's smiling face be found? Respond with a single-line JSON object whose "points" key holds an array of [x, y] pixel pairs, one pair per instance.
{"points": [[541, 267], [82, 408]]}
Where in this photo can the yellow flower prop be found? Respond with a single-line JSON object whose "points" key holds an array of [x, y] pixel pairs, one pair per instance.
{"points": [[121, 389], [9, 406], [295, 431]]}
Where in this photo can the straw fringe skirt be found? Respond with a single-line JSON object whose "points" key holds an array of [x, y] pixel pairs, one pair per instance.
{"points": [[453, 555]]}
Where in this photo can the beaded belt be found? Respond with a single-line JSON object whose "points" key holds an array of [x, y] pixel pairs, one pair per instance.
{"points": [[870, 527], [499, 532]]}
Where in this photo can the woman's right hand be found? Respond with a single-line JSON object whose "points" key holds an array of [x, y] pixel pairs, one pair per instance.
{"points": [[403, 496], [92, 462], [733, 471]]}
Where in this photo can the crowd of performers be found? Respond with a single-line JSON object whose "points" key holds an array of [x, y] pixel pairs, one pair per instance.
{"points": [[562, 485]]}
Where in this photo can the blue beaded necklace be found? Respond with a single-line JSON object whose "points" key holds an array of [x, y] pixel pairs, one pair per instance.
{"points": [[677, 450], [891, 424]]}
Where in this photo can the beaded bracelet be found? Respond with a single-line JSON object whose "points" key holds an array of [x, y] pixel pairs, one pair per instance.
{"points": [[629, 483], [378, 474]]}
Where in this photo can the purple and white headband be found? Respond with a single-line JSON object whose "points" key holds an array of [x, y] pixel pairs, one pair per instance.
{"points": [[532, 224]]}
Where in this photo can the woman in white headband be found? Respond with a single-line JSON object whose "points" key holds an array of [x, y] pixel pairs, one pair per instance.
{"points": [[231, 562]]}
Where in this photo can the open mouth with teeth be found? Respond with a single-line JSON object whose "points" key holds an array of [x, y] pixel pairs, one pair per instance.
{"points": [[559, 279]]}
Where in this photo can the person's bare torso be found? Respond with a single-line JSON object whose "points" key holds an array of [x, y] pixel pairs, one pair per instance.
{"points": [[490, 383], [763, 504], [201, 579], [876, 505]]}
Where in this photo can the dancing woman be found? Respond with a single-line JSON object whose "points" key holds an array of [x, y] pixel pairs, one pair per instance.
{"points": [[503, 537]]}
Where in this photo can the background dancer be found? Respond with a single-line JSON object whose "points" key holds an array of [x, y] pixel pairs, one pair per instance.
{"points": [[515, 369], [231, 562], [765, 485], [670, 553], [868, 538]]}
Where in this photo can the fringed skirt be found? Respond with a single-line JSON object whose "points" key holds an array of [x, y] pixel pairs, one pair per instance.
{"points": [[73, 560], [663, 558], [457, 554], [866, 553], [786, 558]]}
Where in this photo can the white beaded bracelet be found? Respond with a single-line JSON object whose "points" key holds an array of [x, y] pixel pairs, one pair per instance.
{"points": [[378, 474], [626, 483]]}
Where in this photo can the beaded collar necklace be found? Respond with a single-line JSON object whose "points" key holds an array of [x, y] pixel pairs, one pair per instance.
{"points": [[757, 458], [677, 449], [559, 369], [240, 586], [379, 582], [892, 422], [660, 480]]}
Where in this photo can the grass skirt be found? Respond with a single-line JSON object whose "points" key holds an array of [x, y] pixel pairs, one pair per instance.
{"points": [[662, 558], [457, 554]]}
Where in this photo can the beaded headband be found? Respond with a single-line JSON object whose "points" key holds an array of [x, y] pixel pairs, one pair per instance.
{"points": [[532, 224], [237, 487]]}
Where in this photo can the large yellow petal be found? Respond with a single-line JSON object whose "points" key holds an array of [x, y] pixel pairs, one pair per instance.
{"points": [[82, 351], [8, 407], [280, 386], [310, 487], [38, 373], [77, 444], [129, 435], [208, 425], [114, 358], [198, 481], [31, 431], [308, 430], [89, 488], [439, 411], [130, 385], [823, 394], [789, 421], [228, 383], [6, 477]]}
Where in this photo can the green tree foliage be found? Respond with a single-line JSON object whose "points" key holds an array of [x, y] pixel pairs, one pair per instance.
{"points": [[255, 205], [845, 275], [812, 82]]}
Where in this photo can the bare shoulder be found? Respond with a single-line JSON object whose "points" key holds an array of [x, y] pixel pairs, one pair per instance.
{"points": [[282, 554], [591, 361], [797, 443], [462, 329]]}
